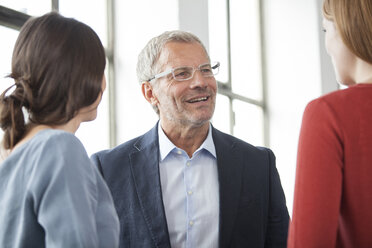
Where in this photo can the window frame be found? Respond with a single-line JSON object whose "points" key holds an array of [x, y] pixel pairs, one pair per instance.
{"points": [[225, 88]]}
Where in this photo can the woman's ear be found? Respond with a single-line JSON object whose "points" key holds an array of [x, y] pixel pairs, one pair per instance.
{"points": [[148, 93]]}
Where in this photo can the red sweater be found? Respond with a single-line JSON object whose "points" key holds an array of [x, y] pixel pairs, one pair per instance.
{"points": [[333, 191]]}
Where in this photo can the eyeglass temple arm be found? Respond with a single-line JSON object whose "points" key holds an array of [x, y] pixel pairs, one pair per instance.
{"points": [[216, 65], [160, 75]]}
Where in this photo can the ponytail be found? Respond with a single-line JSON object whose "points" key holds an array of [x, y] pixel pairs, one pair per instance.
{"points": [[12, 120]]}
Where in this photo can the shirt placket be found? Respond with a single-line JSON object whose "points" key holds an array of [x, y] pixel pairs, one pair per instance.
{"points": [[189, 203]]}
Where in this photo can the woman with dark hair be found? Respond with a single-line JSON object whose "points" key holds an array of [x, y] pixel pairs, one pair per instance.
{"points": [[51, 194], [333, 192]]}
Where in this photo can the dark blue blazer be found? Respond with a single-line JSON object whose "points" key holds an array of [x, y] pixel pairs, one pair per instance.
{"points": [[253, 211]]}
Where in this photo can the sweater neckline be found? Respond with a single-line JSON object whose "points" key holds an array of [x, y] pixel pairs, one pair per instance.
{"points": [[361, 85]]}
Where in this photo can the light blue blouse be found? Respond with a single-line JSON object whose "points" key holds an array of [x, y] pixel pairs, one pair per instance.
{"points": [[52, 196]]}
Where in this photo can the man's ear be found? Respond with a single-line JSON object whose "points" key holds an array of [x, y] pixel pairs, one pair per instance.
{"points": [[148, 93]]}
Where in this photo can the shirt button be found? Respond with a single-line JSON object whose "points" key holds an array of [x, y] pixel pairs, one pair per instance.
{"points": [[189, 192], [179, 152], [188, 163], [191, 223]]}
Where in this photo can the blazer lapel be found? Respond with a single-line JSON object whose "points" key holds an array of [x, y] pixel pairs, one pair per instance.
{"points": [[230, 179], [144, 166]]}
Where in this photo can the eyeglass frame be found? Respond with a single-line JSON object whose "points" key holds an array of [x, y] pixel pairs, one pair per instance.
{"points": [[171, 71]]}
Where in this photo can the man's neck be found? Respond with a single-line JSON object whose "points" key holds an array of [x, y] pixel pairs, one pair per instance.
{"points": [[188, 138]]}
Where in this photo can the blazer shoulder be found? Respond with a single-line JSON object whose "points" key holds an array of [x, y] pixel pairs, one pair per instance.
{"points": [[221, 138], [120, 150]]}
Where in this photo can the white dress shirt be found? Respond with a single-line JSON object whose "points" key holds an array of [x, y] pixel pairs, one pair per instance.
{"points": [[190, 193]]}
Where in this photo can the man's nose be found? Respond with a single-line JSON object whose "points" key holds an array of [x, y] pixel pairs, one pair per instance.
{"points": [[198, 80]]}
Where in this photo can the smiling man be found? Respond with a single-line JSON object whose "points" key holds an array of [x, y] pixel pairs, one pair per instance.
{"points": [[184, 183]]}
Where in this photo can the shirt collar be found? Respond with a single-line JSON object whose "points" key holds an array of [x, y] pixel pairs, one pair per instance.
{"points": [[166, 146]]}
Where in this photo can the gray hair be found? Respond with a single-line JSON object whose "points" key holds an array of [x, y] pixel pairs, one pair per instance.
{"points": [[147, 65]]}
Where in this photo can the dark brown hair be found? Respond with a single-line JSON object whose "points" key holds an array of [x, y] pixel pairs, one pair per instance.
{"points": [[353, 20], [57, 65]]}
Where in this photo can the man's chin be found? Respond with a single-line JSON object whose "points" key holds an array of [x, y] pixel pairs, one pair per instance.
{"points": [[198, 122]]}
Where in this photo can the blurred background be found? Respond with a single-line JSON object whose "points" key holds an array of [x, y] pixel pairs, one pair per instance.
{"points": [[272, 55]]}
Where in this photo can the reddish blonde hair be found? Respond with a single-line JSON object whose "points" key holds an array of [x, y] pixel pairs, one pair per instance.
{"points": [[353, 20]]}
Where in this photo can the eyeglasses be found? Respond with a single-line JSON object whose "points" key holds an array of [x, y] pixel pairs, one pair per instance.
{"points": [[187, 72]]}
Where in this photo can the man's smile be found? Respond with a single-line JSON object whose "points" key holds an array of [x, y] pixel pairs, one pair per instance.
{"points": [[198, 99]]}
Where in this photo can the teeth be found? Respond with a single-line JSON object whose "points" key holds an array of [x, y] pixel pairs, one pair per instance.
{"points": [[199, 99]]}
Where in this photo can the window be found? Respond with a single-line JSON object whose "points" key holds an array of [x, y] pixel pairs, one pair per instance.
{"points": [[235, 35], [8, 38], [32, 8]]}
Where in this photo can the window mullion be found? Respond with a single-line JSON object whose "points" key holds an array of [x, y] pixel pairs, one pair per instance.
{"points": [[12, 18]]}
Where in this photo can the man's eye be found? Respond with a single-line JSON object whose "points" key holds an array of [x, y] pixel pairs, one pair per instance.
{"points": [[182, 74], [206, 70]]}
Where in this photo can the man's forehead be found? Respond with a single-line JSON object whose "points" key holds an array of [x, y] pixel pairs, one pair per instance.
{"points": [[176, 54]]}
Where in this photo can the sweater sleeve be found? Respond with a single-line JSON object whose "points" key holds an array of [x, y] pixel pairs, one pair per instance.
{"points": [[318, 178], [64, 194]]}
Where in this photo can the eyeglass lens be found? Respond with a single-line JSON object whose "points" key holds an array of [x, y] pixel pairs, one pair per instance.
{"points": [[187, 72]]}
